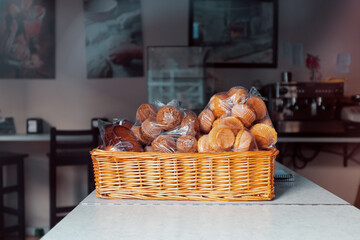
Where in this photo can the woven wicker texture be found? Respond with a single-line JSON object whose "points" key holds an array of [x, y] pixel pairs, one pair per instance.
{"points": [[227, 176]]}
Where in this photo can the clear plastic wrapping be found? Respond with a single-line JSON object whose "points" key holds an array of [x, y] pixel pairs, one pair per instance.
{"points": [[117, 136], [236, 120]]}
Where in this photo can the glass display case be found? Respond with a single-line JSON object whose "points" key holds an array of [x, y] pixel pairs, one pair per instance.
{"points": [[179, 72]]}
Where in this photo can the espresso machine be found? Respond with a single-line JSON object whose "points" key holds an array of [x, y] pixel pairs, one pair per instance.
{"points": [[305, 107]]}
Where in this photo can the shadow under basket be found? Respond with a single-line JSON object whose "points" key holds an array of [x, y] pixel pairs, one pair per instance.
{"points": [[227, 176]]}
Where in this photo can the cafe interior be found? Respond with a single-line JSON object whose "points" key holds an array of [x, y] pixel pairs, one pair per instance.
{"points": [[66, 64]]}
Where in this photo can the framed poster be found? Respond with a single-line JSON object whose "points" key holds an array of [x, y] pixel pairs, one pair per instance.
{"points": [[114, 45], [27, 39], [241, 33]]}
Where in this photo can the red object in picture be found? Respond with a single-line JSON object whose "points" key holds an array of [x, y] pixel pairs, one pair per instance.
{"points": [[313, 64]]}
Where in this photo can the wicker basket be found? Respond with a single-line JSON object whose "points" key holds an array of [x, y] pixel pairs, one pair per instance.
{"points": [[227, 176]]}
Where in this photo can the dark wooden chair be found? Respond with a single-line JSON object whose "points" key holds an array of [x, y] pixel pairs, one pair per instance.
{"points": [[7, 159], [69, 148]]}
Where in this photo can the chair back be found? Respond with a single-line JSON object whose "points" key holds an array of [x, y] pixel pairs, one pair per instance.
{"points": [[72, 141]]}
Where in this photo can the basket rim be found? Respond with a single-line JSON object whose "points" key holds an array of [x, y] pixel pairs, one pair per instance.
{"points": [[271, 152]]}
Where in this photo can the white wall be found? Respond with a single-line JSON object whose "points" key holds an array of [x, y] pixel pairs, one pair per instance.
{"points": [[326, 27]]}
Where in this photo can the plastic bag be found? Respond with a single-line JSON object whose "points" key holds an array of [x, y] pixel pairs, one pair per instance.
{"points": [[117, 136], [166, 128], [233, 121], [236, 121]]}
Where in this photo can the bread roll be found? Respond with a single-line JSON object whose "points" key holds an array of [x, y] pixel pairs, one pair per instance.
{"points": [[229, 122], [258, 105], [186, 144], [188, 113], [145, 111], [266, 121], [112, 148], [245, 113], [107, 136], [150, 130], [221, 139], [265, 136], [125, 123], [191, 125], [164, 144], [168, 117], [125, 140], [220, 104], [206, 119], [137, 132], [237, 95], [203, 144], [244, 141]]}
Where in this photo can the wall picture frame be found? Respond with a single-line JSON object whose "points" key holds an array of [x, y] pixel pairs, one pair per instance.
{"points": [[27, 39], [240, 33]]}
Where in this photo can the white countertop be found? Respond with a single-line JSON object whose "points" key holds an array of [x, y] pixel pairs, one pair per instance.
{"points": [[300, 210], [210, 222]]}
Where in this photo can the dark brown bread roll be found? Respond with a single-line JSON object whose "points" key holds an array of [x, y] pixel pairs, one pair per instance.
{"points": [[191, 125], [125, 123], [145, 111], [164, 143], [137, 132], [125, 140], [186, 144], [150, 129], [168, 117]]}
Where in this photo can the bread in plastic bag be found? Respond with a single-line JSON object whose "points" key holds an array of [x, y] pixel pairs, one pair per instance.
{"points": [[239, 111], [116, 136]]}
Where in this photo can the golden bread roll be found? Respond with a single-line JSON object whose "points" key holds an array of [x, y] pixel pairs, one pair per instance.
{"points": [[137, 132], [221, 139], [150, 129], [145, 111], [229, 122], [266, 121], [220, 104], [245, 113], [125, 140], [186, 144], [203, 144], [168, 117], [244, 141], [191, 125], [237, 94], [265, 136], [164, 144], [206, 119], [258, 105]]}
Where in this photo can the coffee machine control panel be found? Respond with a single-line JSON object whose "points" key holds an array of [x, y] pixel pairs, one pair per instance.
{"points": [[309, 90], [304, 101]]}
